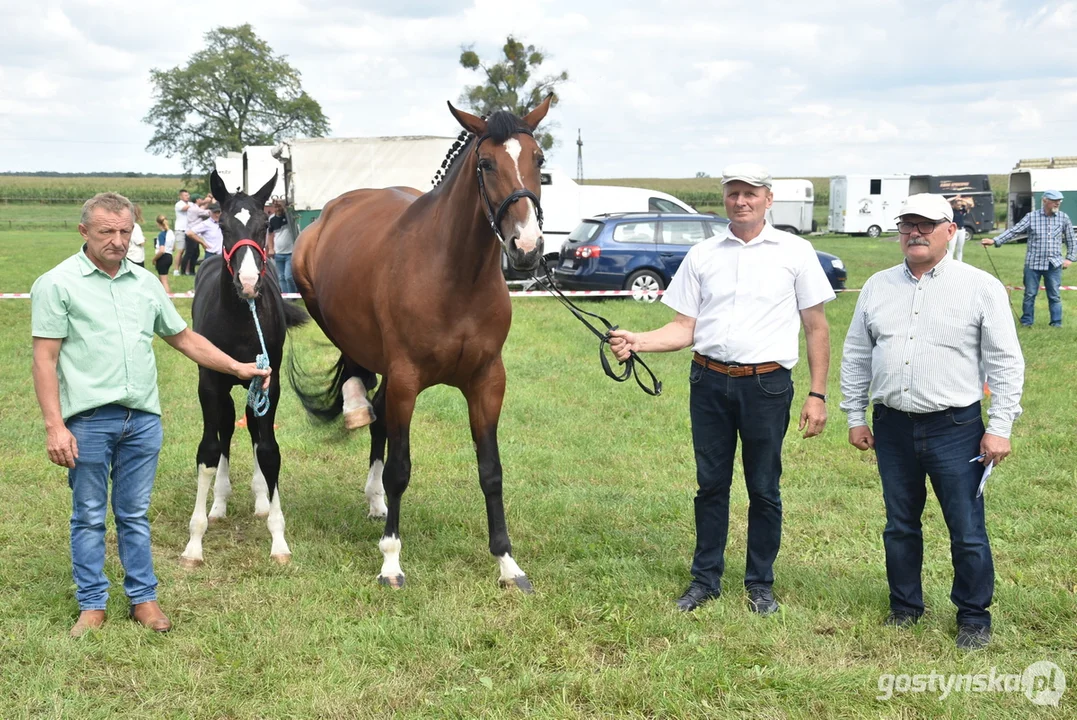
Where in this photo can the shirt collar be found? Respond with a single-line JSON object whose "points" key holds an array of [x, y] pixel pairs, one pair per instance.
{"points": [[767, 234], [87, 267], [939, 268]]}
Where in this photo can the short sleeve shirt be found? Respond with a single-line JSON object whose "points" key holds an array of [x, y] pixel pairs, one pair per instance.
{"points": [[181, 215], [107, 327], [746, 298]]}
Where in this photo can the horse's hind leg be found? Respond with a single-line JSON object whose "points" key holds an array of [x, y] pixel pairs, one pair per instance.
{"points": [[217, 408], [484, 396], [358, 410], [375, 489], [399, 406]]}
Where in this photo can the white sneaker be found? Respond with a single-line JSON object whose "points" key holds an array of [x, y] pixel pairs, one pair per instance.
{"points": [[176, 273]]}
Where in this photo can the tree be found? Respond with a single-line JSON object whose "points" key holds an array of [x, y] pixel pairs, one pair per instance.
{"points": [[233, 93], [506, 86], [702, 174]]}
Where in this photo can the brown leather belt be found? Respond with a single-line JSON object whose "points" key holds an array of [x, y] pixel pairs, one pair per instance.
{"points": [[735, 369]]}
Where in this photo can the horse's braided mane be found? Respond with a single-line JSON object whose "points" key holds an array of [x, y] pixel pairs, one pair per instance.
{"points": [[499, 127]]}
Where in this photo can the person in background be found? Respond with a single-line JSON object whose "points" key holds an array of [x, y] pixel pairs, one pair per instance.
{"points": [[136, 250], [163, 247], [924, 338], [741, 298], [182, 206], [956, 247], [196, 213], [279, 245], [93, 320], [207, 233], [1047, 229]]}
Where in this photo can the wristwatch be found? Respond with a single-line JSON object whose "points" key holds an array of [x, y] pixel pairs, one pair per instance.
{"points": [[821, 396]]}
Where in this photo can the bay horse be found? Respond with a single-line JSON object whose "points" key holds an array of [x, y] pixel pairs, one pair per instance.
{"points": [[221, 313], [409, 286]]}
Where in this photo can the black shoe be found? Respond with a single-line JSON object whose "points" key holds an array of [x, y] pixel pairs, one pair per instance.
{"points": [[900, 619], [973, 637], [761, 600], [694, 596]]}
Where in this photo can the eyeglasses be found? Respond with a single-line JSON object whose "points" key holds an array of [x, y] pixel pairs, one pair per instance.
{"points": [[926, 227]]}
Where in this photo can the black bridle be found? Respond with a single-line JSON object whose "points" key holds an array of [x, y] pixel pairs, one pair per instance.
{"points": [[603, 337]]}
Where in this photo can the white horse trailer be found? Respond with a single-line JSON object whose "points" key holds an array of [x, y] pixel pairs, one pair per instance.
{"points": [[866, 204], [230, 168], [259, 166], [792, 208], [1028, 185]]}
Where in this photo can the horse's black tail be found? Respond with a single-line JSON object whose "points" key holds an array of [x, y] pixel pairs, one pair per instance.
{"points": [[323, 396], [294, 315]]}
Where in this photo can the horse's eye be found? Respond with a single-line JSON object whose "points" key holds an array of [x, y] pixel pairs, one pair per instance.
{"points": [[485, 165], [540, 161]]}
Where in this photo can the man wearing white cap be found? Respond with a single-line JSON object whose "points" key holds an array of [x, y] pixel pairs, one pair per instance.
{"points": [[1047, 230], [740, 299], [924, 338]]}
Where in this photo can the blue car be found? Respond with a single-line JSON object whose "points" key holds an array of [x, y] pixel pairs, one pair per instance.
{"points": [[642, 251]]}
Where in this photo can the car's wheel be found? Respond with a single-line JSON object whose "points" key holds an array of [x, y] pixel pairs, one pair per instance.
{"points": [[645, 285], [971, 232], [874, 231], [815, 226]]}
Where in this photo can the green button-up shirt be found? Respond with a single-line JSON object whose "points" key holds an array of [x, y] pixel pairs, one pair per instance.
{"points": [[107, 327]]}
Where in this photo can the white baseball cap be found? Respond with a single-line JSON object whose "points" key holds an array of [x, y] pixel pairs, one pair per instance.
{"points": [[926, 205], [751, 173]]}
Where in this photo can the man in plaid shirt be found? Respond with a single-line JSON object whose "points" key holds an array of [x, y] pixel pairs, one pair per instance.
{"points": [[1047, 230]]}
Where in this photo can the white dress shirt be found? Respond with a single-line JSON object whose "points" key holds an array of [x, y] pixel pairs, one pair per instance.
{"points": [[926, 345], [746, 298]]}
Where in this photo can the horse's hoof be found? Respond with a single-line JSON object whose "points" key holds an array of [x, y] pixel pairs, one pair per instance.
{"points": [[355, 419], [377, 514], [190, 563], [281, 558], [396, 581], [215, 520], [521, 583], [262, 515]]}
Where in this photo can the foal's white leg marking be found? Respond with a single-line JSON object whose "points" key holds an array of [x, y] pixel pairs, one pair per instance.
{"points": [[192, 555], [260, 488], [390, 566], [248, 272], [279, 551], [528, 232], [509, 569], [222, 490], [375, 491]]}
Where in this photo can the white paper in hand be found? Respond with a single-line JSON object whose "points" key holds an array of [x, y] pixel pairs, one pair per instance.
{"points": [[983, 480]]}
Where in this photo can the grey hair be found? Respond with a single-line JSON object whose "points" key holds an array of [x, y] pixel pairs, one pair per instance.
{"points": [[110, 202]]}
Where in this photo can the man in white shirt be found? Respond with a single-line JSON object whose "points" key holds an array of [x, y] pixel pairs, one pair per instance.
{"points": [[924, 338], [182, 205], [207, 233], [741, 298]]}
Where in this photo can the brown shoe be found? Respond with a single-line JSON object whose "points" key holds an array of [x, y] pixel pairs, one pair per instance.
{"points": [[88, 620], [149, 615]]}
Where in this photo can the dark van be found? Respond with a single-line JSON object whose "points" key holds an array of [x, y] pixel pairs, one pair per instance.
{"points": [[981, 218]]}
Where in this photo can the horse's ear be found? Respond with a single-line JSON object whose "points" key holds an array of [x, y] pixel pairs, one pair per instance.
{"points": [[262, 196], [217, 187], [533, 118], [471, 123]]}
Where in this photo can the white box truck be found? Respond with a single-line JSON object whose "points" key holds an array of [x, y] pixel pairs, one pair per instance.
{"points": [[866, 204]]}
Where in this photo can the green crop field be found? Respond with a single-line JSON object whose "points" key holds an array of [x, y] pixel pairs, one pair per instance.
{"points": [[599, 480]]}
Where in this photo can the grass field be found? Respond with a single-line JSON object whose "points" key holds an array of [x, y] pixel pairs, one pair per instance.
{"points": [[598, 484]]}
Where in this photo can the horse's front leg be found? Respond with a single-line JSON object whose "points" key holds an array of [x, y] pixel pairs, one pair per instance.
{"points": [[484, 396], [375, 487], [266, 480], [399, 407], [216, 408]]}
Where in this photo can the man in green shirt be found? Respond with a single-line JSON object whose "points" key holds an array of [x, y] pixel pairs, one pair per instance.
{"points": [[95, 375]]}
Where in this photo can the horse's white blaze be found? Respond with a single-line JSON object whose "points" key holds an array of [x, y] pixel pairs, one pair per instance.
{"points": [[243, 215], [248, 272], [275, 523], [509, 569], [375, 491], [390, 550], [222, 490], [259, 487], [528, 232], [199, 522]]}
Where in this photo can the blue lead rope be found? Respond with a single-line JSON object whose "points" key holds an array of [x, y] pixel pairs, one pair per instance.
{"points": [[258, 398]]}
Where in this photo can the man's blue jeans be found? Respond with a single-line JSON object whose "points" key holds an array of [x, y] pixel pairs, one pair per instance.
{"points": [[938, 445], [1052, 281], [756, 408], [113, 440], [284, 272]]}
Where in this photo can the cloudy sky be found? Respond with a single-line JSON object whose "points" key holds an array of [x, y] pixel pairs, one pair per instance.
{"points": [[665, 88]]}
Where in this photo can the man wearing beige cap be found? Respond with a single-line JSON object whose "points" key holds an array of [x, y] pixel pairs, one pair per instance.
{"points": [[740, 299], [924, 338]]}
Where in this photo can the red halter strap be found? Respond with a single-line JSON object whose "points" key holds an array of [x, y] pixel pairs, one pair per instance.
{"points": [[245, 241]]}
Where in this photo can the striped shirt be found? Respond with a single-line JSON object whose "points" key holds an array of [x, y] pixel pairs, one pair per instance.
{"points": [[926, 345], [1046, 233]]}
